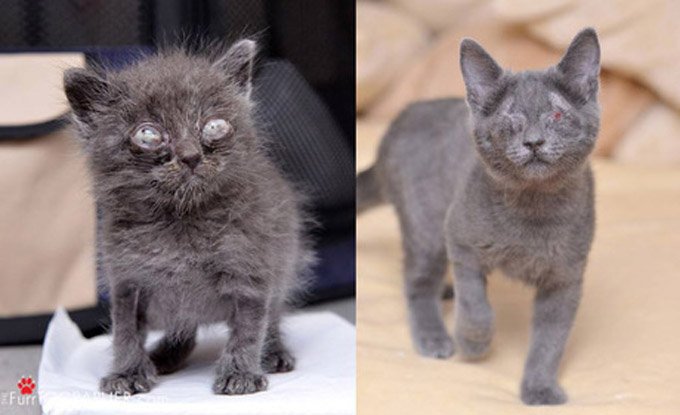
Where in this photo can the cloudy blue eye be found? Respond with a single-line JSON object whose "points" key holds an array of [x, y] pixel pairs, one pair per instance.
{"points": [[216, 129], [147, 137]]}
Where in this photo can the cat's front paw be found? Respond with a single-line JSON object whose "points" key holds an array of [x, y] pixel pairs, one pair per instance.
{"points": [[435, 345], [138, 380], [540, 394], [472, 350], [278, 361], [239, 383], [473, 336]]}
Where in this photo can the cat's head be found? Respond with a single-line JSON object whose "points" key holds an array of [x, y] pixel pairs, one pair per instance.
{"points": [[534, 126], [169, 129]]}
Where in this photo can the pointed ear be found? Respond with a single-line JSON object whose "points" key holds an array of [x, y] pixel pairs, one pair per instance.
{"points": [[480, 73], [580, 66], [85, 91], [238, 64]]}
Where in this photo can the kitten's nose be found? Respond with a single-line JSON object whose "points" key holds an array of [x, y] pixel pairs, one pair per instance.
{"points": [[533, 143], [191, 159]]}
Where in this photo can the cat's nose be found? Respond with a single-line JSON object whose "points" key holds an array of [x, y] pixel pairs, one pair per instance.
{"points": [[533, 144], [191, 159]]}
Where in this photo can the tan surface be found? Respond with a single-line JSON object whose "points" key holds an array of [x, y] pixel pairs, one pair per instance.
{"points": [[46, 227], [622, 357], [31, 86]]}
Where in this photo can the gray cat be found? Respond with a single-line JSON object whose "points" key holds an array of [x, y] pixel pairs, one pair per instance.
{"points": [[198, 224], [502, 182]]}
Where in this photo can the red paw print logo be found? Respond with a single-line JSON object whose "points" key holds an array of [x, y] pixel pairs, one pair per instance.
{"points": [[26, 385]]}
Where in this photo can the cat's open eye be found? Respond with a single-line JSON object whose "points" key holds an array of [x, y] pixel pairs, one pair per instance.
{"points": [[216, 129], [147, 137]]}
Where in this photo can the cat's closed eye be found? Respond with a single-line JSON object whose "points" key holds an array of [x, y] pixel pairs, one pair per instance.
{"points": [[148, 137], [511, 124], [215, 130]]}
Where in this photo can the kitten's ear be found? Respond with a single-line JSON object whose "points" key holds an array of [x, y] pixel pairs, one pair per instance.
{"points": [[238, 64], [85, 90], [580, 66], [480, 73]]}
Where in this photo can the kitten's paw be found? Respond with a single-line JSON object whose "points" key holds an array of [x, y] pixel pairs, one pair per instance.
{"points": [[472, 350], [543, 394], [129, 383], [278, 361], [239, 383], [435, 345], [473, 338]]}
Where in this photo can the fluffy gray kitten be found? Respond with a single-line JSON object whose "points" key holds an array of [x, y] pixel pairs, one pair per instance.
{"points": [[198, 224], [502, 182]]}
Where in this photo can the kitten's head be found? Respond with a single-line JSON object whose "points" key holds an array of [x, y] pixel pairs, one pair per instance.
{"points": [[169, 129], [534, 126]]}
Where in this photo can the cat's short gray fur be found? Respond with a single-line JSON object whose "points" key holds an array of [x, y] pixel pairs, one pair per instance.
{"points": [[195, 231], [502, 182]]}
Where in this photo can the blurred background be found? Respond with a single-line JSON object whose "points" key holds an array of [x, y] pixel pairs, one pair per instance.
{"points": [[621, 356], [408, 50], [304, 86]]}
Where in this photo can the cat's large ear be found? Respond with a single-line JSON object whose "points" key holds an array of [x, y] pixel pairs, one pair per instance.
{"points": [[580, 66], [86, 91], [238, 64], [480, 72]]}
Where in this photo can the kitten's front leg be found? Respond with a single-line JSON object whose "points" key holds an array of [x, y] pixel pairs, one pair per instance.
{"points": [[473, 328], [554, 311], [239, 370], [275, 356], [132, 372]]}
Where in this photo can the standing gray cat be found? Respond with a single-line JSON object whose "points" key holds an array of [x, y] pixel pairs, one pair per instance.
{"points": [[503, 182], [198, 224]]}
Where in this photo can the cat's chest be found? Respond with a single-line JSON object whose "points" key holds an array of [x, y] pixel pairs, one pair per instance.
{"points": [[528, 251], [178, 252]]}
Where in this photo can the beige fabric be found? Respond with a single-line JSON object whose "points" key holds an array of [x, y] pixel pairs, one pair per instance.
{"points": [[31, 86], [622, 357], [46, 226], [654, 139], [438, 14], [528, 10], [386, 40]]}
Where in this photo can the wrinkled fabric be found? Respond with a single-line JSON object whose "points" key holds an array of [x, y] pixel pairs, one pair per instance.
{"points": [[323, 381]]}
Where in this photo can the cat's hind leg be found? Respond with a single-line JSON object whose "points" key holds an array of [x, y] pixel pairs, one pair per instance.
{"points": [[425, 265], [171, 351]]}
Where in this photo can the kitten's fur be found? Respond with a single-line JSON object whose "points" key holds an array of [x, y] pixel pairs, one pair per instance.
{"points": [[222, 242], [463, 183]]}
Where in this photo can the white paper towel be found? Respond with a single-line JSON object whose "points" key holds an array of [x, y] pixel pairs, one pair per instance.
{"points": [[323, 381]]}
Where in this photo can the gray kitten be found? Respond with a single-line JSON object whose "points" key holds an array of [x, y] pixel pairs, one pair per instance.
{"points": [[198, 224], [503, 182]]}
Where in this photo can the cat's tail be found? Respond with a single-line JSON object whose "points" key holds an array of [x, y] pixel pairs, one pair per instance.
{"points": [[369, 192]]}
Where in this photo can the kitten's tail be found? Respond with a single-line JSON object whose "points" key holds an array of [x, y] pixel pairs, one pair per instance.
{"points": [[369, 192]]}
